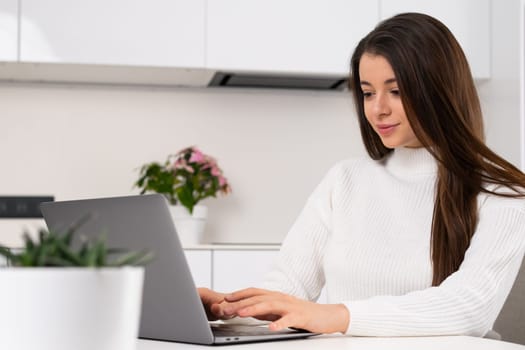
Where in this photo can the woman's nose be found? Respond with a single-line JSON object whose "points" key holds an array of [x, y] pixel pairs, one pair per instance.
{"points": [[381, 106]]}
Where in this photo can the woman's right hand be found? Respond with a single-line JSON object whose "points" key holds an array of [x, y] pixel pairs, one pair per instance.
{"points": [[211, 300]]}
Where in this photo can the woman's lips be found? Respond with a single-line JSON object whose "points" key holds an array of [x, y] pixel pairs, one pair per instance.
{"points": [[386, 129]]}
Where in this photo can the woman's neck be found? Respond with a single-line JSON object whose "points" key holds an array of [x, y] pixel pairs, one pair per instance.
{"points": [[407, 162]]}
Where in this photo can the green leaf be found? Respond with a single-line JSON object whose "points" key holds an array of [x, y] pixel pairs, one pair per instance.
{"points": [[133, 258], [65, 254], [185, 196], [101, 253], [6, 252], [55, 249], [91, 258]]}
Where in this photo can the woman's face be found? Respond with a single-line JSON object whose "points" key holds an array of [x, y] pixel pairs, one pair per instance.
{"points": [[382, 103]]}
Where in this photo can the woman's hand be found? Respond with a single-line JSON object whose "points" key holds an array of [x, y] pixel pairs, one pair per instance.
{"points": [[211, 301], [285, 311]]}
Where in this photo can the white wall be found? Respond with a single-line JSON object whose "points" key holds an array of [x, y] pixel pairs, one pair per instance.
{"points": [[84, 141], [500, 96], [273, 145]]}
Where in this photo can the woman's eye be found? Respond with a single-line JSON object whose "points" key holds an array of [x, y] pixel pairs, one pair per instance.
{"points": [[394, 92], [366, 94]]}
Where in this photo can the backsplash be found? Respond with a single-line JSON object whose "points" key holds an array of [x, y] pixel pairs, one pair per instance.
{"points": [[274, 146]]}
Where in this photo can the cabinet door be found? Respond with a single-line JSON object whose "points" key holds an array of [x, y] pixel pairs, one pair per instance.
{"points": [[200, 266], [237, 269], [469, 21], [122, 32], [286, 36], [8, 30]]}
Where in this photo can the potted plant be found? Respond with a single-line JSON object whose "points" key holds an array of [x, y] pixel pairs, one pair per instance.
{"points": [[185, 178], [53, 296]]}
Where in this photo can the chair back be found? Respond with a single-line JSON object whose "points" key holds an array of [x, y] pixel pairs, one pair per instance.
{"points": [[510, 323]]}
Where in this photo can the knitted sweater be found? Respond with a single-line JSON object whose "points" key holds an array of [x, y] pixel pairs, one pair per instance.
{"points": [[364, 235]]}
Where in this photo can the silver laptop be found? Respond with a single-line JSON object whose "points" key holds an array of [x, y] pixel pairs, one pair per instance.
{"points": [[171, 308]]}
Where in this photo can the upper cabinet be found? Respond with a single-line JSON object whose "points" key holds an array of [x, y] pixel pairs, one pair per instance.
{"points": [[152, 33], [280, 43], [291, 36], [8, 30], [469, 21]]}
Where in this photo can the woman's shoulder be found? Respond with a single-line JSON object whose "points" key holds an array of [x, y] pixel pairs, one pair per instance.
{"points": [[501, 197], [356, 164], [351, 168]]}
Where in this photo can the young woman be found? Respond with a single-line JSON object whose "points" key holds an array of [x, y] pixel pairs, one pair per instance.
{"points": [[424, 237]]}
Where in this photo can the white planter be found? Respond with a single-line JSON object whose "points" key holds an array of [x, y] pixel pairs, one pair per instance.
{"points": [[70, 308], [190, 227]]}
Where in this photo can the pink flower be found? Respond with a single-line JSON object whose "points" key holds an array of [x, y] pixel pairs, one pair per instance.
{"points": [[194, 174], [181, 164], [215, 171], [197, 156]]}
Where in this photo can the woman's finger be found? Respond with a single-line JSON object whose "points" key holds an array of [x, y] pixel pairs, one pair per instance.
{"points": [[262, 306], [283, 322], [245, 293], [233, 307]]}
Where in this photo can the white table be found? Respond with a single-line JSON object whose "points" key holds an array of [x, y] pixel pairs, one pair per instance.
{"points": [[326, 342]]}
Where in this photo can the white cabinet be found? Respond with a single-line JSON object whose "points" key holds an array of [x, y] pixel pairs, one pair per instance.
{"points": [[286, 36], [122, 32], [8, 30], [200, 263], [469, 21], [228, 270], [237, 269], [133, 40]]}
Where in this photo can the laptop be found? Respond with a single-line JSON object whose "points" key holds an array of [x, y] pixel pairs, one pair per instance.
{"points": [[171, 307]]}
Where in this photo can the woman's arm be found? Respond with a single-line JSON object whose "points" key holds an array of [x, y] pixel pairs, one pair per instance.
{"points": [[298, 269], [466, 303], [469, 300]]}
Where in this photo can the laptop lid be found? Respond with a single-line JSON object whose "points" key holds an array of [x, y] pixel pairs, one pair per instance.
{"points": [[171, 308]]}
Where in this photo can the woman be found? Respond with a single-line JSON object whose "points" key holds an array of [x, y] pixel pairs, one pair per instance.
{"points": [[424, 238]]}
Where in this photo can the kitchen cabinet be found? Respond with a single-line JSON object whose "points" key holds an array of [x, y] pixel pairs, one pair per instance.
{"points": [[226, 269], [200, 264], [153, 33], [238, 269], [183, 42], [294, 36], [469, 21], [8, 30]]}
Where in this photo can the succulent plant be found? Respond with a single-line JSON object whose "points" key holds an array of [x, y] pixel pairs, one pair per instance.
{"points": [[55, 249]]}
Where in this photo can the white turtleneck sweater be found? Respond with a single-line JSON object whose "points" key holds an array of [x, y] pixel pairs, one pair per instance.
{"points": [[364, 234]]}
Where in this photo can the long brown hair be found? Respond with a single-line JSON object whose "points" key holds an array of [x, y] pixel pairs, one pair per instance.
{"points": [[442, 106]]}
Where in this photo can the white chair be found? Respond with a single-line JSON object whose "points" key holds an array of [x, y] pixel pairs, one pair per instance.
{"points": [[511, 320]]}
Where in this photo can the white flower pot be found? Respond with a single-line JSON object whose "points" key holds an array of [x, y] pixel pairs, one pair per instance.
{"points": [[70, 308], [190, 227]]}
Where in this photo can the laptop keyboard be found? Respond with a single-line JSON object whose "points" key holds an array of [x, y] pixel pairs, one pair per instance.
{"points": [[225, 330]]}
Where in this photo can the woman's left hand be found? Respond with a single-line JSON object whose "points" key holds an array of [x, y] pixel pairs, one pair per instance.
{"points": [[286, 311]]}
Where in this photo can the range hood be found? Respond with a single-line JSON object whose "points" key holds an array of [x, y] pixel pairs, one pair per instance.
{"points": [[273, 81], [33, 72]]}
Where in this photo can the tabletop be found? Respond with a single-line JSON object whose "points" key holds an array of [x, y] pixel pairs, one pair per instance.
{"points": [[361, 343]]}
